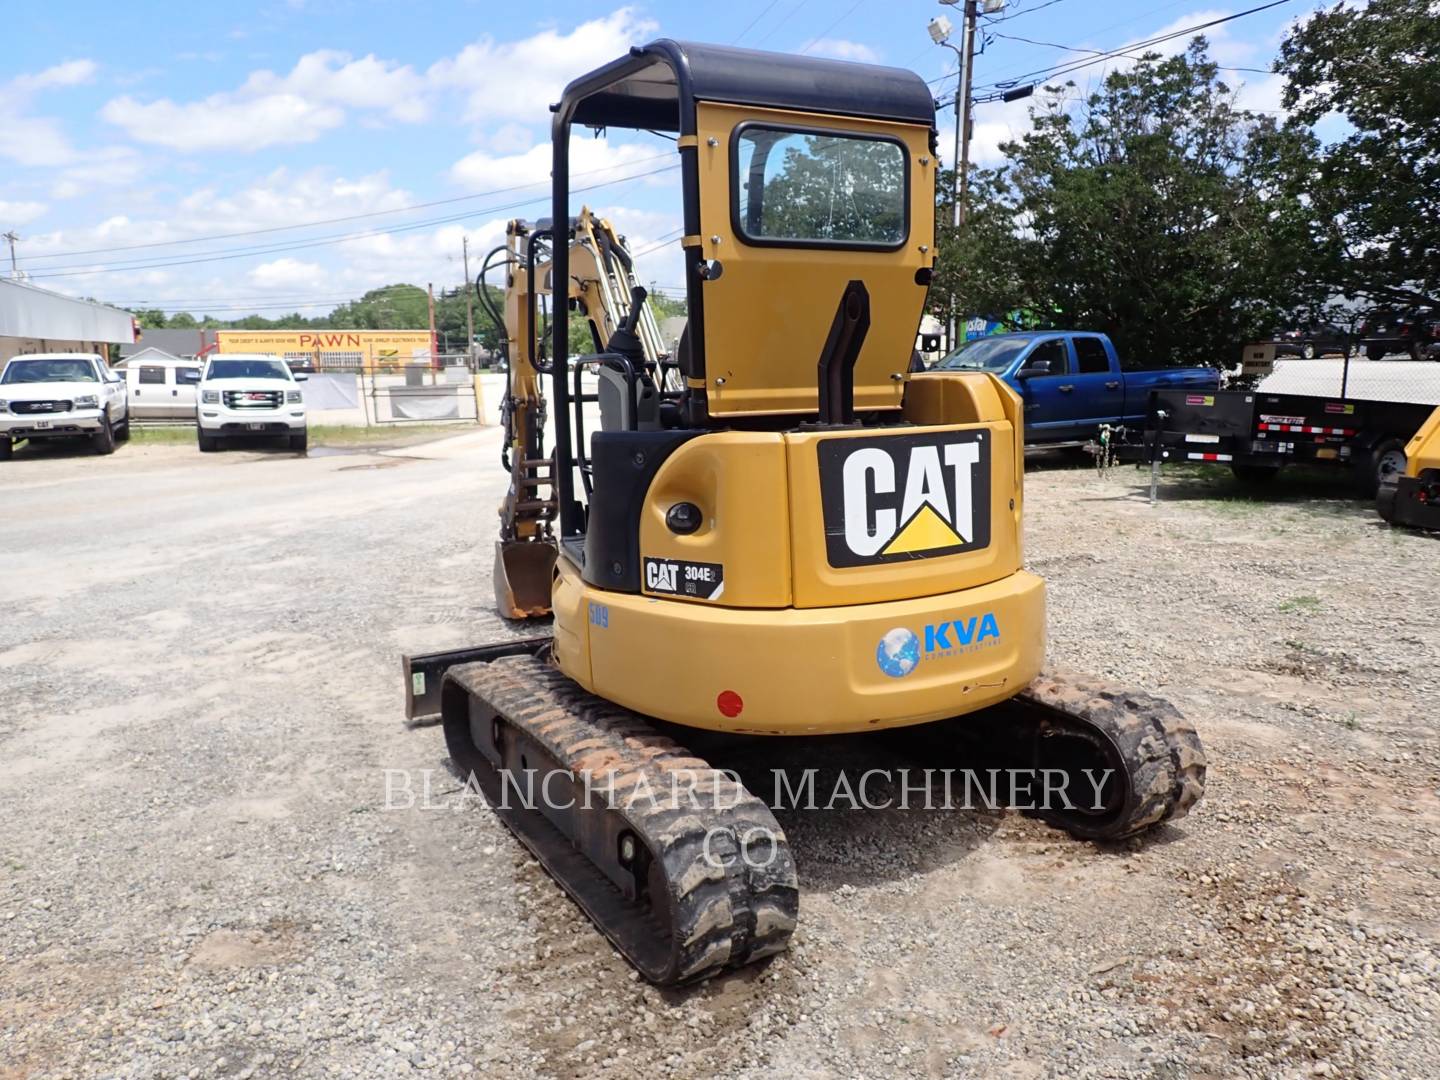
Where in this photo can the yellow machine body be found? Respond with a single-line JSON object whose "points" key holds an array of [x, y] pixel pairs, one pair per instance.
{"points": [[739, 657], [1423, 450]]}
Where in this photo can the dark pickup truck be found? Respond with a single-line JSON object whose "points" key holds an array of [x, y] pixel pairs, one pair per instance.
{"points": [[1072, 381]]}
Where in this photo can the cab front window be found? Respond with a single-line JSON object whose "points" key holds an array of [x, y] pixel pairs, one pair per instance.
{"points": [[798, 187]]}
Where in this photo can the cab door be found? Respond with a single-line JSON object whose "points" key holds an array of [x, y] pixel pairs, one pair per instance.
{"points": [[184, 379], [1049, 397], [793, 207], [1099, 388]]}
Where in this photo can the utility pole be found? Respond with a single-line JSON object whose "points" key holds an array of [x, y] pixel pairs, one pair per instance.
{"points": [[434, 358], [962, 110], [469, 306], [12, 238]]}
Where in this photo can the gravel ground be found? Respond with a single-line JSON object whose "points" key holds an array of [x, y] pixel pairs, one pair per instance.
{"points": [[199, 875]]}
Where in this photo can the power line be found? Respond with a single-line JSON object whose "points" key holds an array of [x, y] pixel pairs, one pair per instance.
{"points": [[76, 270], [1098, 52], [334, 220], [784, 19], [995, 21], [848, 12], [751, 24], [1065, 67]]}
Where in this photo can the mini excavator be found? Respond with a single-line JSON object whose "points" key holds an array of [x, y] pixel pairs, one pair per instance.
{"points": [[780, 530], [1413, 498]]}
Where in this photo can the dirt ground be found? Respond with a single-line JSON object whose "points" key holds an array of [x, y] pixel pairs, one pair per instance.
{"points": [[199, 875]]}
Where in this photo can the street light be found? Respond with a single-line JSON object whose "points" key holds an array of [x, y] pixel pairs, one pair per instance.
{"points": [[940, 30]]}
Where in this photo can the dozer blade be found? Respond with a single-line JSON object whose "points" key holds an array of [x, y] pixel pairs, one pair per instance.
{"points": [[683, 870], [522, 578]]}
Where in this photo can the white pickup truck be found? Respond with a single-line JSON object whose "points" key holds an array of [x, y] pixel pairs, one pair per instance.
{"points": [[62, 396], [249, 396]]}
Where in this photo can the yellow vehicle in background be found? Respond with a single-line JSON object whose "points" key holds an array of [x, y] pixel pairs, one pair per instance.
{"points": [[777, 531], [1414, 498]]}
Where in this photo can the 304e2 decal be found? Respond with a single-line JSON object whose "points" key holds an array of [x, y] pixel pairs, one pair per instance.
{"points": [[905, 497]]}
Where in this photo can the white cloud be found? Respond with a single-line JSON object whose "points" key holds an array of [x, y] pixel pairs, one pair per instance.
{"points": [[273, 110], [109, 166], [518, 80], [591, 161], [220, 122], [338, 79], [840, 49], [499, 81], [38, 140], [19, 213], [288, 273], [70, 73]]}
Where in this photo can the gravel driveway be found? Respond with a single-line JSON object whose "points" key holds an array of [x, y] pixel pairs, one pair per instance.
{"points": [[199, 875]]}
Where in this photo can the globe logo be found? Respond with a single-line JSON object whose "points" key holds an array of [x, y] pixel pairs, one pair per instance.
{"points": [[898, 653]]}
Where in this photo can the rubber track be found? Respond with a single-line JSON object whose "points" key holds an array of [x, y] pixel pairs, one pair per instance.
{"points": [[720, 916], [1164, 760]]}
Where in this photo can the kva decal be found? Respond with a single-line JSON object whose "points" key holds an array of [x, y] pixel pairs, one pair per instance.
{"points": [[905, 496]]}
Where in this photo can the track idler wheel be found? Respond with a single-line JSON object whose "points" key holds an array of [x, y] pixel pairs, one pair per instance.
{"points": [[1131, 761]]}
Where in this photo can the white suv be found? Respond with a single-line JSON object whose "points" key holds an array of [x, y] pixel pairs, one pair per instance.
{"points": [[60, 396], [249, 396]]}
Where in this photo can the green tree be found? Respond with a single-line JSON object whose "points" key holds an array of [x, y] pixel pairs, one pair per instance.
{"points": [[1158, 213], [1378, 66]]}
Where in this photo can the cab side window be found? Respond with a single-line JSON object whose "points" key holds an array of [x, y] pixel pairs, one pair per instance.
{"points": [[1091, 355], [152, 376], [187, 376], [1050, 354]]}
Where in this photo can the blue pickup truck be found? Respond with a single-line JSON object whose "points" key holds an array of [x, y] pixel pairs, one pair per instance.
{"points": [[1072, 381]]}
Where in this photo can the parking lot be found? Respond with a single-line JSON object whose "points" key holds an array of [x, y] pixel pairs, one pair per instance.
{"points": [[199, 875]]}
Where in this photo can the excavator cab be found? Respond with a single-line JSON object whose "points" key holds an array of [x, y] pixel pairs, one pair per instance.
{"points": [[779, 530]]}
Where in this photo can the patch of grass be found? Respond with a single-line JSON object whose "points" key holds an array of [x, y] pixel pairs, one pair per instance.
{"points": [[1300, 603], [320, 434]]}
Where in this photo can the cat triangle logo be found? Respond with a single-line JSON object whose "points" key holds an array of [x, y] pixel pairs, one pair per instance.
{"points": [[925, 531]]}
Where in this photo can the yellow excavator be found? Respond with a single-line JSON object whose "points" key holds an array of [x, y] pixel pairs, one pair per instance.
{"points": [[1413, 499], [779, 531]]}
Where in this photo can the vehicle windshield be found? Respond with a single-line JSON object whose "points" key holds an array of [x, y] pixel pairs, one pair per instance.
{"points": [[50, 370], [247, 369], [984, 354]]}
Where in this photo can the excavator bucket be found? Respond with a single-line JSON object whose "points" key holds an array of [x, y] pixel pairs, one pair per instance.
{"points": [[522, 577]]}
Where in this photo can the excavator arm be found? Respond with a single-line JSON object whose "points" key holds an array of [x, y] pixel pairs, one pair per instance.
{"points": [[601, 286]]}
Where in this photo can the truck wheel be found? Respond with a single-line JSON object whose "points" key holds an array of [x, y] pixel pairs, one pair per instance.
{"points": [[1386, 462], [7, 448], [1255, 475], [1308, 350], [298, 443], [207, 442], [1374, 352], [122, 433], [104, 439]]}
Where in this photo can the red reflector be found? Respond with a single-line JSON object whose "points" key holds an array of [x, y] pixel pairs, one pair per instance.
{"points": [[729, 703]]}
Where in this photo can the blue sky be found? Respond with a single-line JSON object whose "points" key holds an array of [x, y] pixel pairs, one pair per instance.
{"points": [[147, 123]]}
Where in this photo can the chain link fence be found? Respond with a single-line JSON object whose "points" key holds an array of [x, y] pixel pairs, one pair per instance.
{"points": [[1393, 376]]}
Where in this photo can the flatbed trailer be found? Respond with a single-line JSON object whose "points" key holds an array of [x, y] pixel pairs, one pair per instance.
{"points": [[1257, 434]]}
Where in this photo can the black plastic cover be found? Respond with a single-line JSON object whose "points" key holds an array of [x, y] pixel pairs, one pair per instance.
{"points": [[624, 464]]}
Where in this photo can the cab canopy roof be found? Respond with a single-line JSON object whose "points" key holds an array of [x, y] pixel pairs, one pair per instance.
{"points": [[658, 84]]}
